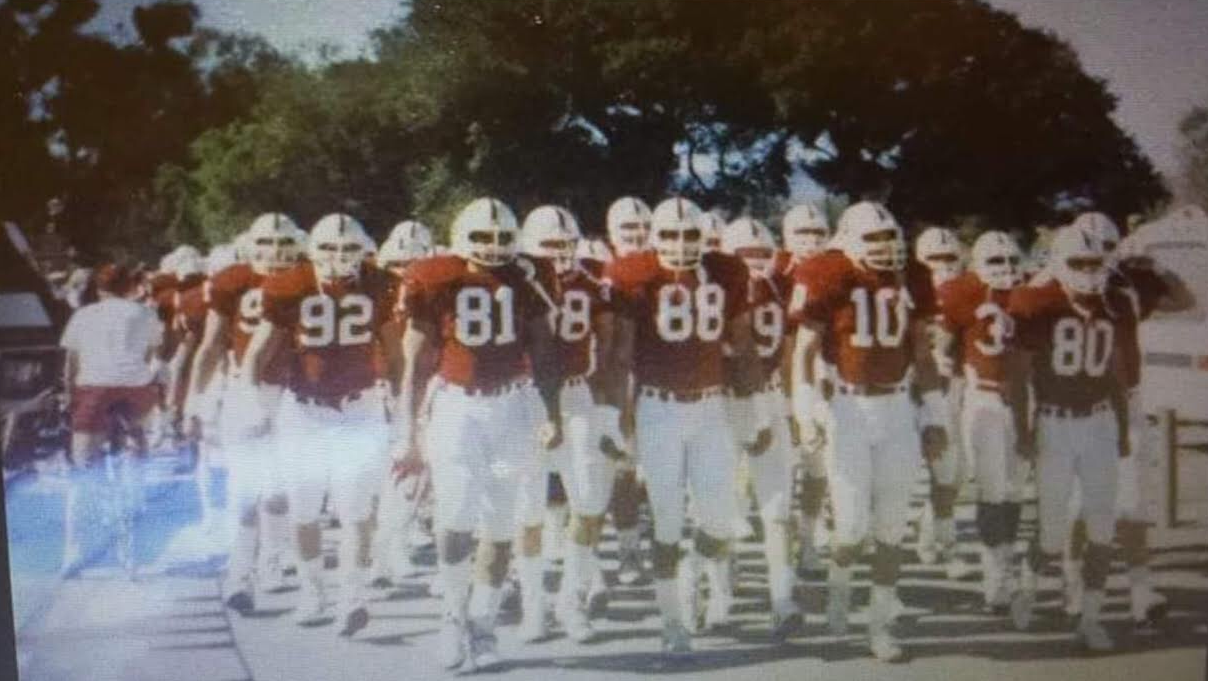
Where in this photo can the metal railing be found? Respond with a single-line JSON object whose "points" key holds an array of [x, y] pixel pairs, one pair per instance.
{"points": [[1174, 431]]}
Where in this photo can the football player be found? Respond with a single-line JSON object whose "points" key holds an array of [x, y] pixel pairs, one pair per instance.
{"points": [[675, 308], [869, 309], [628, 232], [941, 252], [234, 298], [486, 310], [806, 232], [977, 332], [1146, 290], [771, 471], [1068, 325], [398, 508], [187, 272], [583, 330], [328, 314]]}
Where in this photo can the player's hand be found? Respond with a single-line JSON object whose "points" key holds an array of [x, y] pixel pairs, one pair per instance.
{"points": [[550, 434], [763, 440], [827, 389], [1125, 448], [612, 449], [794, 431], [935, 441], [628, 426]]}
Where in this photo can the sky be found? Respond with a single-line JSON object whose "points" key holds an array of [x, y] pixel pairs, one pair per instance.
{"points": [[1153, 53]]}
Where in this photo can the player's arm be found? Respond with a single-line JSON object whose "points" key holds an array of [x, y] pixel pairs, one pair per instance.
{"points": [[1177, 298], [209, 352], [1018, 382], [547, 375], [414, 343], [602, 328], [1119, 401], [266, 342], [928, 385], [618, 369], [745, 379]]}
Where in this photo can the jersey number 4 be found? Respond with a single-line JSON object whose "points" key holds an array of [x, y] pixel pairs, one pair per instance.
{"points": [[324, 322]]}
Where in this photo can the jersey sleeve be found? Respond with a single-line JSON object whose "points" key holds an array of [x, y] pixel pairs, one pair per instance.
{"points": [[819, 284], [1151, 289], [282, 295], [1027, 307], [731, 272], [419, 292], [922, 291], [625, 286], [223, 292], [952, 302]]}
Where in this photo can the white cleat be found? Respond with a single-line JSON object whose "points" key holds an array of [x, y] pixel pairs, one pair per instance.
{"points": [[577, 624], [1093, 636], [312, 609], [534, 626], [453, 640], [1148, 606], [883, 646], [717, 612], [677, 642], [837, 604], [484, 653]]}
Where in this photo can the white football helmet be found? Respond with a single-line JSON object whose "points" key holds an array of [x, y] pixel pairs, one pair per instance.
{"points": [[871, 237], [219, 258], [336, 247], [940, 250], [997, 260], [551, 232], [712, 225], [274, 242], [186, 261], [629, 225], [243, 247], [485, 233], [1077, 259], [409, 240], [751, 240], [593, 249], [1105, 229], [805, 230], [676, 234]]}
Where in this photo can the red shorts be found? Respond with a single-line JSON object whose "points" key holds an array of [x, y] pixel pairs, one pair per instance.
{"points": [[91, 405]]}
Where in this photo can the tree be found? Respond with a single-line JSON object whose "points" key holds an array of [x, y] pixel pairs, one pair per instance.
{"points": [[1193, 155], [945, 109]]}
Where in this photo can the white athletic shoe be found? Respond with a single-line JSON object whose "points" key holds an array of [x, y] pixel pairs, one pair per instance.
{"points": [[312, 608], [1093, 636], [484, 653], [1071, 574], [717, 612], [837, 604], [534, 624], [452, 641], [883, 646], [576, 622], [1148, 606], [677, 642]]}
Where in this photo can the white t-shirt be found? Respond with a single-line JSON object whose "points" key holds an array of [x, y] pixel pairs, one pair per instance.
{"points": [[111, 338]]}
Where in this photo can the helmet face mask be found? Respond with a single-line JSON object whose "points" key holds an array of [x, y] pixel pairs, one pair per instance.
{"points": [[551, 232], [336, 247], [805, 230], [750, 240], [676, 234], [997, 261], [1104, 229], [629, 225], [1079, 261], [485, 233], [273, 242], [871, 237], [711, 232]]}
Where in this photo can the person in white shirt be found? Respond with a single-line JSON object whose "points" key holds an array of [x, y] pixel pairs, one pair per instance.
{"points": [[109, 378]]}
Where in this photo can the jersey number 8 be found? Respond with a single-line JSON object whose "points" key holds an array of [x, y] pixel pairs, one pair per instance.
{"points": [[682, 312], [1079, 346], [475, 313]]}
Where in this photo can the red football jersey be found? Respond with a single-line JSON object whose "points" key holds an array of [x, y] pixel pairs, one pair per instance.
{"points": [[582, 296], [480, 315], [335, 328], [1143, 289], [680, 318], [866, 315], [236, 293], [769, 299], [977, 316], [191, 311], [1073, 346]]}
